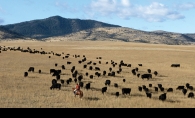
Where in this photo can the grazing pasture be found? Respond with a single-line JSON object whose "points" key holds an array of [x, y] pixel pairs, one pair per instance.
{"points": [[33, 91]]}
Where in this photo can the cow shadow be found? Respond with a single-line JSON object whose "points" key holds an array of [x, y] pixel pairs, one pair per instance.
{"points": [[92, 98], [33, 77]]}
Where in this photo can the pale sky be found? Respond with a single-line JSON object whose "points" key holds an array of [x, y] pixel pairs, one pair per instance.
{"points": [[148, 15]]}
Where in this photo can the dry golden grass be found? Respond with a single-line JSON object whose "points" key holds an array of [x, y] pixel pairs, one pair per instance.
{"points": [[34, 90]]}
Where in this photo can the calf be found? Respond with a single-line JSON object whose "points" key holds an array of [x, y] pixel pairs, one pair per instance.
{"points": [[155, 73], [149, 70], [140, 88], [191, 95], [116, 85], [107, 82]]}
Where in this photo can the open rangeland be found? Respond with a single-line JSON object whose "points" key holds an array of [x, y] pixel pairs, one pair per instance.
{"points": [[33, 91]]}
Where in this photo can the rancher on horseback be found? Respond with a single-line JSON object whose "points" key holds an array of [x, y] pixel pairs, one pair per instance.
{"points": [[77, 88]]}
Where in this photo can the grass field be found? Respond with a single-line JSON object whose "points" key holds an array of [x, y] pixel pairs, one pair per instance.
{"points": [[17, 91]]}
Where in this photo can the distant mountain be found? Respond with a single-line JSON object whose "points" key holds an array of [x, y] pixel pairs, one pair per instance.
{"points": [[54, 26], [58, 28], [7, 34]]}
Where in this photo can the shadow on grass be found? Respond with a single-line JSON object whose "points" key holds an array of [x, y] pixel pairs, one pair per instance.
{"points": [[92, 98]]}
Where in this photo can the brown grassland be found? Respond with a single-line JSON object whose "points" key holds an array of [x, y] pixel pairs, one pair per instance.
{"points": [[17, 91]]}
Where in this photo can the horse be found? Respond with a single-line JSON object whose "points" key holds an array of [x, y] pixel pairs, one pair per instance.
{"points": [[79, 92]]}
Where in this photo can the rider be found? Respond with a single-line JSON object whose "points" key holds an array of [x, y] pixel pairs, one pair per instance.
{"points": [[77, 88]]}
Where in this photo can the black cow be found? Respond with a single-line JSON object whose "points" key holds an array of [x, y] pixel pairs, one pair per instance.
{"points": [[97, 68], [107, 82], [163, 97], [191, 88], [39, 71], [75, 80], [159, 85], [139, 64], [187, 85], [148, 76], [140, 88], [104, 89], [80, 77], [116, 85], [124, 80], [31, 69], [90, 68], [67, 81], [175, 65], [56, 64], [91, 76], [54, 81], [110, 69], [144, 87], [184, 91], [63, 67], [68, 62], [149, 94], [155, 73], [150, 85], [86, 73], [156, 89], [117, 94], [94, 63], [126, 91], [25, 74], [87, 86], [84, 66], [136, 69], [162, 89], [57, 85], [170, 90], [191, 95], [149, 70], [52, 71], [62, 81], [81, 84], [104, 72], [138, 75], [58, 77], [113, 73], [180, 87], [70, 79]]}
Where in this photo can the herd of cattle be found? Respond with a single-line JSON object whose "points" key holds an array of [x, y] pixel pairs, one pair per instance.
{"points": [[76, 77]]}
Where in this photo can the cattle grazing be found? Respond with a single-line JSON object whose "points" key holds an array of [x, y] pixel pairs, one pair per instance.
{"points": [[143, 86], [159, 85], [57, 85], [62, 81], [180, 87], [170, 90], [149, 94], [146, 89], [63, 67], [58, 77], [25, 74], [149, 70], [97, 68], [133, 71], [86, 73], [49, 56], [39, 71], [106, 62], [156, 89], [138, 75], [91, 76], [110, 69], [163, 97], [148, 76], [190, 87], [175, 65], [117, 94], [56, 64], [124, 80], [68, 62], [150, 85], [140, 88], [81, 84], [126, 91], [184, 91], [54, 81], [84, 66], [52, 71], [104, 89], [139, 64], [94, 63], [67, 81], [87, 86], [155, 73], [191, 95], [104, 73], [31, 69], [80, 77], [113, 73], [162, 89], [99, 62], [75, 80], [79, 61], [116, 85], [90, 68], [136, 69], [107, 82], [187, 85]]}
